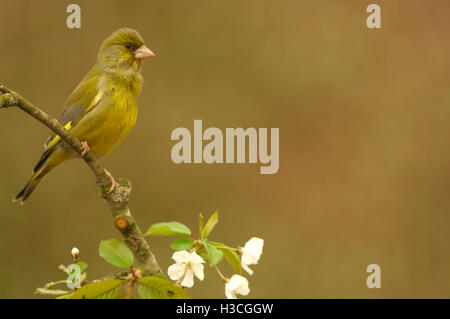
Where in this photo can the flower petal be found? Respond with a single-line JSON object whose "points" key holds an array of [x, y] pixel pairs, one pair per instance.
{"points": [[255, 243], [182, 256], [232, 285], [230, 294], [243, 289], [236, 285], [176, 271], [195, 258], [252, 251], [247, 257], [246, 268], [188, 280], [198, 270], [241, 284]]}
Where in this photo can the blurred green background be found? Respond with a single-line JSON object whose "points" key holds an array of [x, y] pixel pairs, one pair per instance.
{"points": [[364, 121]]}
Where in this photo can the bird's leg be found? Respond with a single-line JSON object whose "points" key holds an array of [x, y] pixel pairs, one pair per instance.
{"points": [[84, 148], [114, 184]]}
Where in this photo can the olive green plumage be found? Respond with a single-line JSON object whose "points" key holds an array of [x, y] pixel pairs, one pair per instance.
{"points": [[102, 109]]}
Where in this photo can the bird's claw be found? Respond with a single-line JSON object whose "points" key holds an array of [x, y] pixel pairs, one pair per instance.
{"points": [[85, 148], [114, 184]]}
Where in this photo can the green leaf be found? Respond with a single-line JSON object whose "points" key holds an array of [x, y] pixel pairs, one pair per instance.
{"points": [[163, 287], [233, 259], [214, 255], [201, 223], [202, 252], [116, 253], [184, 243], [99, 290], [167, 229], [82, 265], [210, 224], [147, 292], [230, 255], [66, 296]]}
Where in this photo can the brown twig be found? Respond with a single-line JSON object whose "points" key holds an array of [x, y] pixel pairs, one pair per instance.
{"points": [[117, 199]]}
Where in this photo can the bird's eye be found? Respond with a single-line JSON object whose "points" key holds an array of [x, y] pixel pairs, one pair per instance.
{"points": [[128, 45]]}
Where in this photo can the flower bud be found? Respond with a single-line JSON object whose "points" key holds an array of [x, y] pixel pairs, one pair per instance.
{"points": [[75, 253]]}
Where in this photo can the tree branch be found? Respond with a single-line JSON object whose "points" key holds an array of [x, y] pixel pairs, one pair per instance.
{"points": [[117, 199]]}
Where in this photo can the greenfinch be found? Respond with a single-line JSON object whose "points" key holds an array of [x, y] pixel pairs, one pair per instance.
{"points": [[102, 109]]}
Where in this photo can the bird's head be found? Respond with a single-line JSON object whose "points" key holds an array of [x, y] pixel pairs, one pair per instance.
{"points": [[123, 51]]}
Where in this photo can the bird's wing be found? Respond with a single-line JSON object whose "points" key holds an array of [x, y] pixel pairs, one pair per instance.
{"points": [[83, 99]]}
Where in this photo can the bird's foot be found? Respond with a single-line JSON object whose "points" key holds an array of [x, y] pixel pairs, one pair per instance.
{"points": [[114, 184], [85, 148]]}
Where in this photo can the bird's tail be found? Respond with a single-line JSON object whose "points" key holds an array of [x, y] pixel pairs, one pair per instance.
{"points": [[40, 170], [29, 188]]}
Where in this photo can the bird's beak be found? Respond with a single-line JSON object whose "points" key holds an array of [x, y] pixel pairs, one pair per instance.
{"points": [[143, 53]]}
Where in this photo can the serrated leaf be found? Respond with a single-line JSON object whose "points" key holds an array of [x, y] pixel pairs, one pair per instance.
{"points": [[82, 265], [184, 243], [230, 255], [99, 290], [164, 287], [210, 224], [116, 253], [168, 229], [214, 255]]}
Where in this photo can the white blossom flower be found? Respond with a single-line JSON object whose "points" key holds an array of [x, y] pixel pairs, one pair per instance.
{"points": [[251, 253], [237, 285], [187, 265]]}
